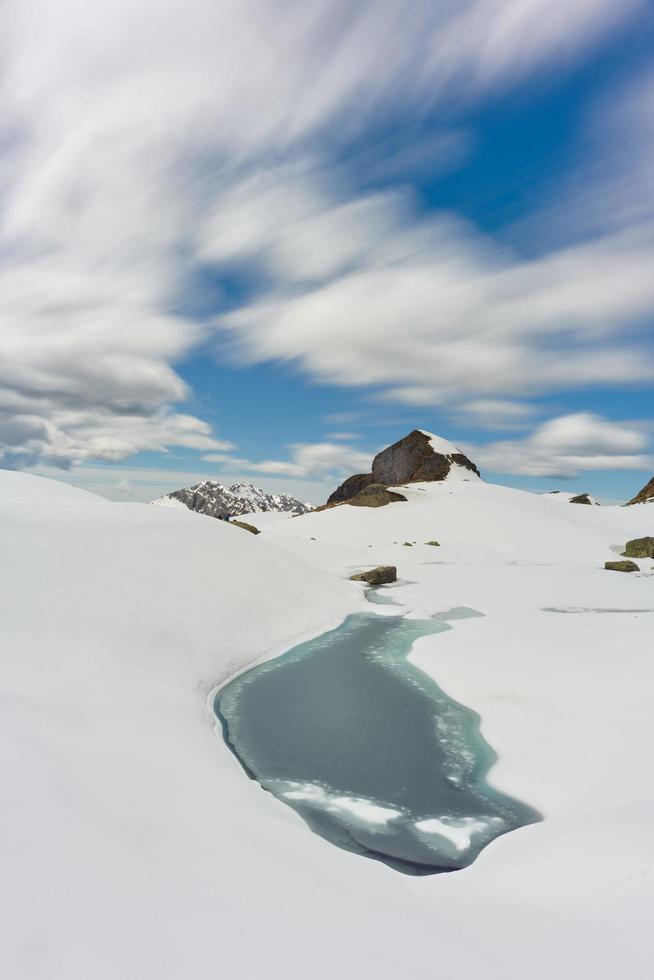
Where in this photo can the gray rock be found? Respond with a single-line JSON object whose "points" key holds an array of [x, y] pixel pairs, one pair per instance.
{"points": [[377, 576], [246, 527], [621, 566], [350, 487], [375, 495], [434, 543], [581, 498], [639, 548]]}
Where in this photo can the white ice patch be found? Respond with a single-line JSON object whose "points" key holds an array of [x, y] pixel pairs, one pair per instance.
{"points": [[458, 830], [358, 807]]}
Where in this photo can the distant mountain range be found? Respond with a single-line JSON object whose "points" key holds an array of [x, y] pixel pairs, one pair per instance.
{"points": [[215, 500]]}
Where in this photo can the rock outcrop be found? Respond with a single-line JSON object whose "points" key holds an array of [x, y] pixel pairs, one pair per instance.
{"points": [[418, 457], [645, 496], [581, 498], [415, 458], [639, 548], [621, 566], [377, 576], [375, 495], [246, 527], [351, 487]]}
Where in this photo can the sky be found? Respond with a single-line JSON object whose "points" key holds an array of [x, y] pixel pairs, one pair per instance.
{"points": [[256, 240]]}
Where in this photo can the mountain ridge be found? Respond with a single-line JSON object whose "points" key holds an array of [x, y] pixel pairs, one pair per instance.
{"points": [[213, 499]]}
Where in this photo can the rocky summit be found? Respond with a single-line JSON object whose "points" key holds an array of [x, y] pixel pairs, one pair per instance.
{"points": [[215, 500], [646, 495], [418, 457]]}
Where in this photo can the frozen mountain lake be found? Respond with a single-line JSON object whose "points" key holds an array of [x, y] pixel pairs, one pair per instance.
{"points": [[368, 749]]}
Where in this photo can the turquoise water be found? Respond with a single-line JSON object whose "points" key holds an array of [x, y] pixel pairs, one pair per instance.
{"points": [[368, 749]]}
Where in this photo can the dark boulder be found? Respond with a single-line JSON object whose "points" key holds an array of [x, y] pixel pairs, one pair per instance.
{"points": [[645, 495], [246, 527], [350, 487], [377, 576], [621, 566], [639, 548], [581, 498], [375, 495]]}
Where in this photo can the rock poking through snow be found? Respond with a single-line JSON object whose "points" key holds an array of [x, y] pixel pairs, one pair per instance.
{"points": [[418, 457], [639, 548], [377, 576], [375, 495], [415, 459], [581, 498], [645, 496], [621, 566], [246, 527], [350, 487]]}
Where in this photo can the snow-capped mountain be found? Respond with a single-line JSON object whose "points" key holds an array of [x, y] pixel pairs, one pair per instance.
{"points": [[215, 500]]}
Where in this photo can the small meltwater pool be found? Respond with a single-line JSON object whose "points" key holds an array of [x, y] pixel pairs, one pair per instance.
{"points": [[369, 750]]}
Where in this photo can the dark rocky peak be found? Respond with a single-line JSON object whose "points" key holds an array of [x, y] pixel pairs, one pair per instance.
{"points": [[645, 496], [582, 498], [418, 457]]}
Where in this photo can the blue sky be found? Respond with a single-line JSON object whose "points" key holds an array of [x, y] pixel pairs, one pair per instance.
{"points": [[284, 237]]}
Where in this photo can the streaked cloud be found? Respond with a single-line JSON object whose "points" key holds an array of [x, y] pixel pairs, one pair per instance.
{"points": [[306, 460], [567, 446], [142, 140]]}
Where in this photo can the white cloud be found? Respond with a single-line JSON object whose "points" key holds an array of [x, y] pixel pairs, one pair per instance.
{"points": [[494, 413], [432, 310], [307, 460], [147, 484], [567, 446], [127, 124]]}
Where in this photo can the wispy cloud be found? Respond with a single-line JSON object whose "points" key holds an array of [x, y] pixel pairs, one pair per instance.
{"points": [[319, 459], [130, 132], [567, 446]]}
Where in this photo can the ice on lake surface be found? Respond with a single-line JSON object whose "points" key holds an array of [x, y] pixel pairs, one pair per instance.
{"points": [[368, 749]]}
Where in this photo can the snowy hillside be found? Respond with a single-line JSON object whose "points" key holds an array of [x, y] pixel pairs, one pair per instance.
{"points": [[215, 500], [134, 845]]}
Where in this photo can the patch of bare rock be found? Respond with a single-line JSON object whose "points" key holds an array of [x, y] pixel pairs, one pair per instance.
{"points": [[621, 566], [380, 575]]}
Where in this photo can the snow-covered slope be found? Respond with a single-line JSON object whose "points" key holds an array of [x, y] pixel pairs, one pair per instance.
{"points": [[215, 500], [134, 846], [125, 822], [480, 522]]}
